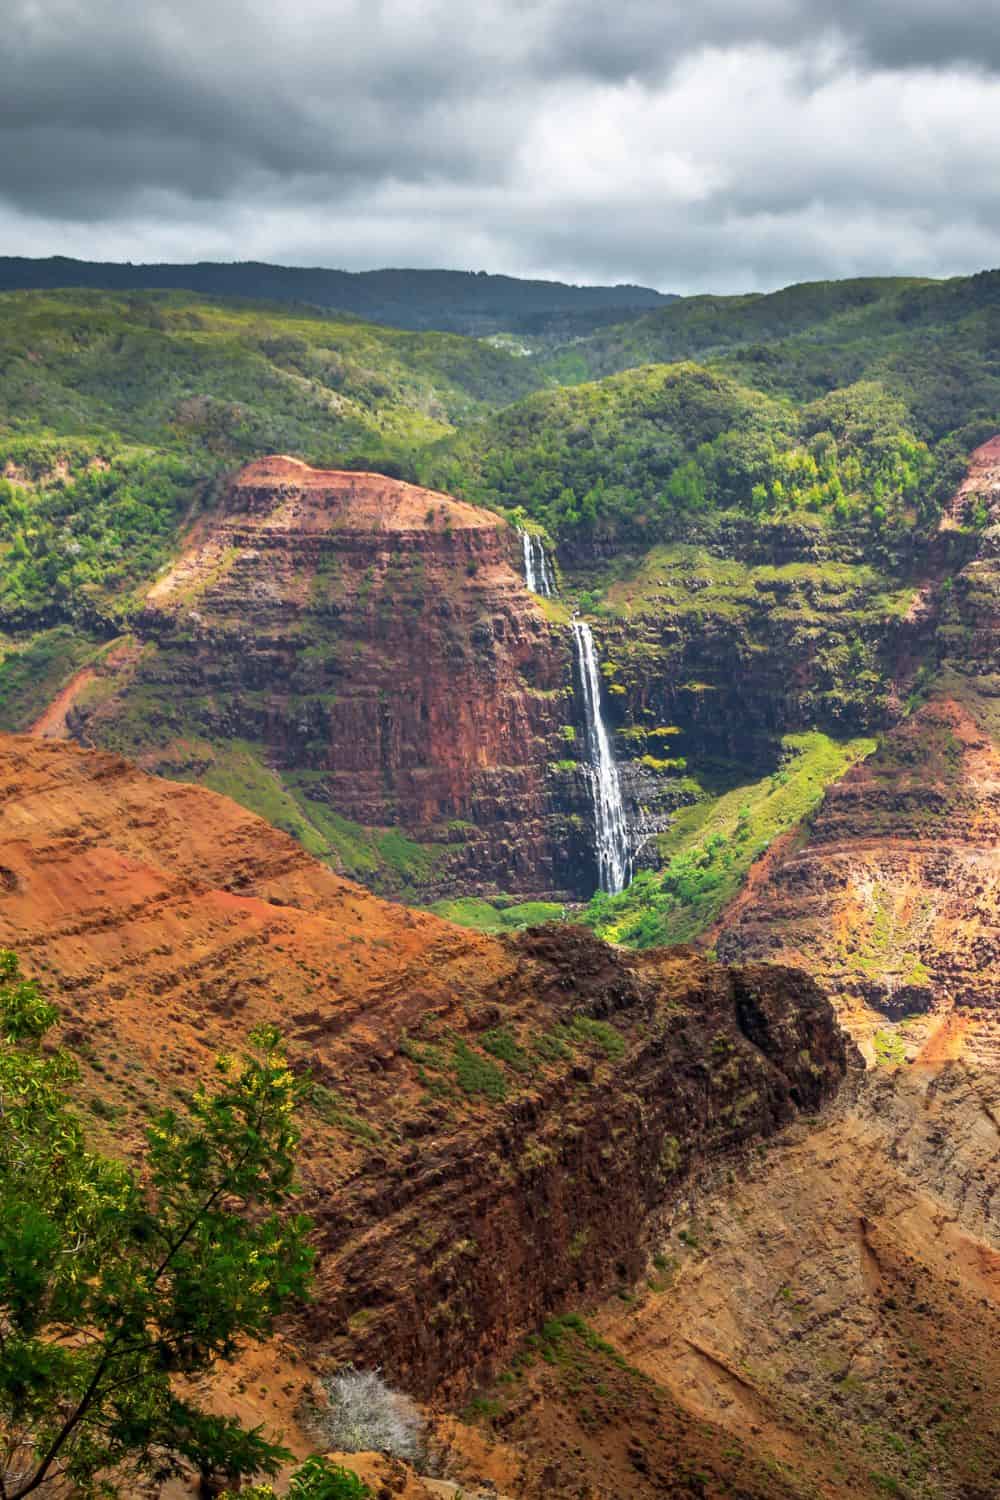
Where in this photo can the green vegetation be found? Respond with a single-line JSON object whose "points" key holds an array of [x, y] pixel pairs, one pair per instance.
{"points": [[929, 343], [890, 1049], [472, 1070], [383, 857], [33, 671], [317, 1479], [496, 915], [476, 1074], [111, 1282], [600, 1034], [89, 522], [117, 412], [711, 845], [471, 302], [696, 327], [119, 409], [826, 422], [500, 1059], [643, 452]]}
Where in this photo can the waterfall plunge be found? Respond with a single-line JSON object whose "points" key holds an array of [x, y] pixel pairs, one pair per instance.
{"points": [[538, 575], [614, 864]]}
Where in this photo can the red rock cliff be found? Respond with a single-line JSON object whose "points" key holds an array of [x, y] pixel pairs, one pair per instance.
{"points": [[523, 1105], [892, 896], [369, 642]]}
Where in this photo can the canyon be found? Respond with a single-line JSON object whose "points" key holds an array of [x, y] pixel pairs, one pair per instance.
{"points": [[523, 1102], [773, 1248], [712, 1219], [390, 674]]}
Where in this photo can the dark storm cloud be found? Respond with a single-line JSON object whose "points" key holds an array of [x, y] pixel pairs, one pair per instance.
{"points": [[727, 143], [644, 36]]}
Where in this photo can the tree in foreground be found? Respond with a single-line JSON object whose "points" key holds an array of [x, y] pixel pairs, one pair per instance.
{"points": [[114, 1287]]}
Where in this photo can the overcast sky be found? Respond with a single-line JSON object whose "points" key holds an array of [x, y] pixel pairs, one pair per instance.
{"points": [[691, 145]]}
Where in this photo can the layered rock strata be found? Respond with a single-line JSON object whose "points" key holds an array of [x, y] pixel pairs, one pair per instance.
{"points": [[369, 644], [477, 1104]]}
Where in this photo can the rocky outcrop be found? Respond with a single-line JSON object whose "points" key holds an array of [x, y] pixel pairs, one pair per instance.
{"points": [[368, 644], [526, 1104], [892, 895], [830, 1314], [968, 636]]}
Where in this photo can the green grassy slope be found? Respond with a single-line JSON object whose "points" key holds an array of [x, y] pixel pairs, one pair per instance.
{"points": [[697, 327], [711, 845]]}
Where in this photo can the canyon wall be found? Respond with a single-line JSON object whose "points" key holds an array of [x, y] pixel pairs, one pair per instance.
{"points": [[368, 650], [525, 1104], [892, 893]]}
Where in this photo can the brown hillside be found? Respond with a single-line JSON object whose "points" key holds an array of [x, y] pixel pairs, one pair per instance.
{"points": [[522, 1105]]}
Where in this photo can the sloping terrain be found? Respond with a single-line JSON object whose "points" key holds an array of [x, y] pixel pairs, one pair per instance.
{"points": [[894, 893], [832, 1316], [478, 1103], [502, 1131], [894, 889]]}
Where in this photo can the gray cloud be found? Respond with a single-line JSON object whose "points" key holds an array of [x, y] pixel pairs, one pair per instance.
{"points": [[729, 144]]}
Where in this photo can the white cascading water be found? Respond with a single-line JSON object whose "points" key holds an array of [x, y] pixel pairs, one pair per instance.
{"points": [[614, 863], [537, 568]]}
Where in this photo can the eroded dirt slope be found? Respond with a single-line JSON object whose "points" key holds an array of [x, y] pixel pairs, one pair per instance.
{"points": [[892, 896], [480, 1105], [826, 1320]]}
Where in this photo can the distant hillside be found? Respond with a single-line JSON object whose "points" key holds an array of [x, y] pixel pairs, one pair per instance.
{"points": [[932, 343], [453, 301], [696, 327]]}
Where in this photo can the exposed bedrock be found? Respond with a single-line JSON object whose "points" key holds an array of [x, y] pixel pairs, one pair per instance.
{"points": [[481, 1106]]}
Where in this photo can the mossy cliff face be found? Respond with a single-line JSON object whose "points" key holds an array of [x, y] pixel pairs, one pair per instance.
{"points": [[341, 646], [893, 893], [741, 639]]}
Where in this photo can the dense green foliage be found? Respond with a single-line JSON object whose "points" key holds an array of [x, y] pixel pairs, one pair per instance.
{"points": [[236, 379], [931, 343], [696, 327], [117, 412], [90, 523], [854, 400], [317, 1479], [642, 452], [110, 1284]]}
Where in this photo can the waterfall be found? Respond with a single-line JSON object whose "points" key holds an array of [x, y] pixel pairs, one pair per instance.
{"points": [[538, 575], [614, 863]]}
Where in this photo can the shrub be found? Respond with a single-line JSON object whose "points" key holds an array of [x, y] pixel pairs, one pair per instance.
{"points": [[318, 1479], [364, 1414]]}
